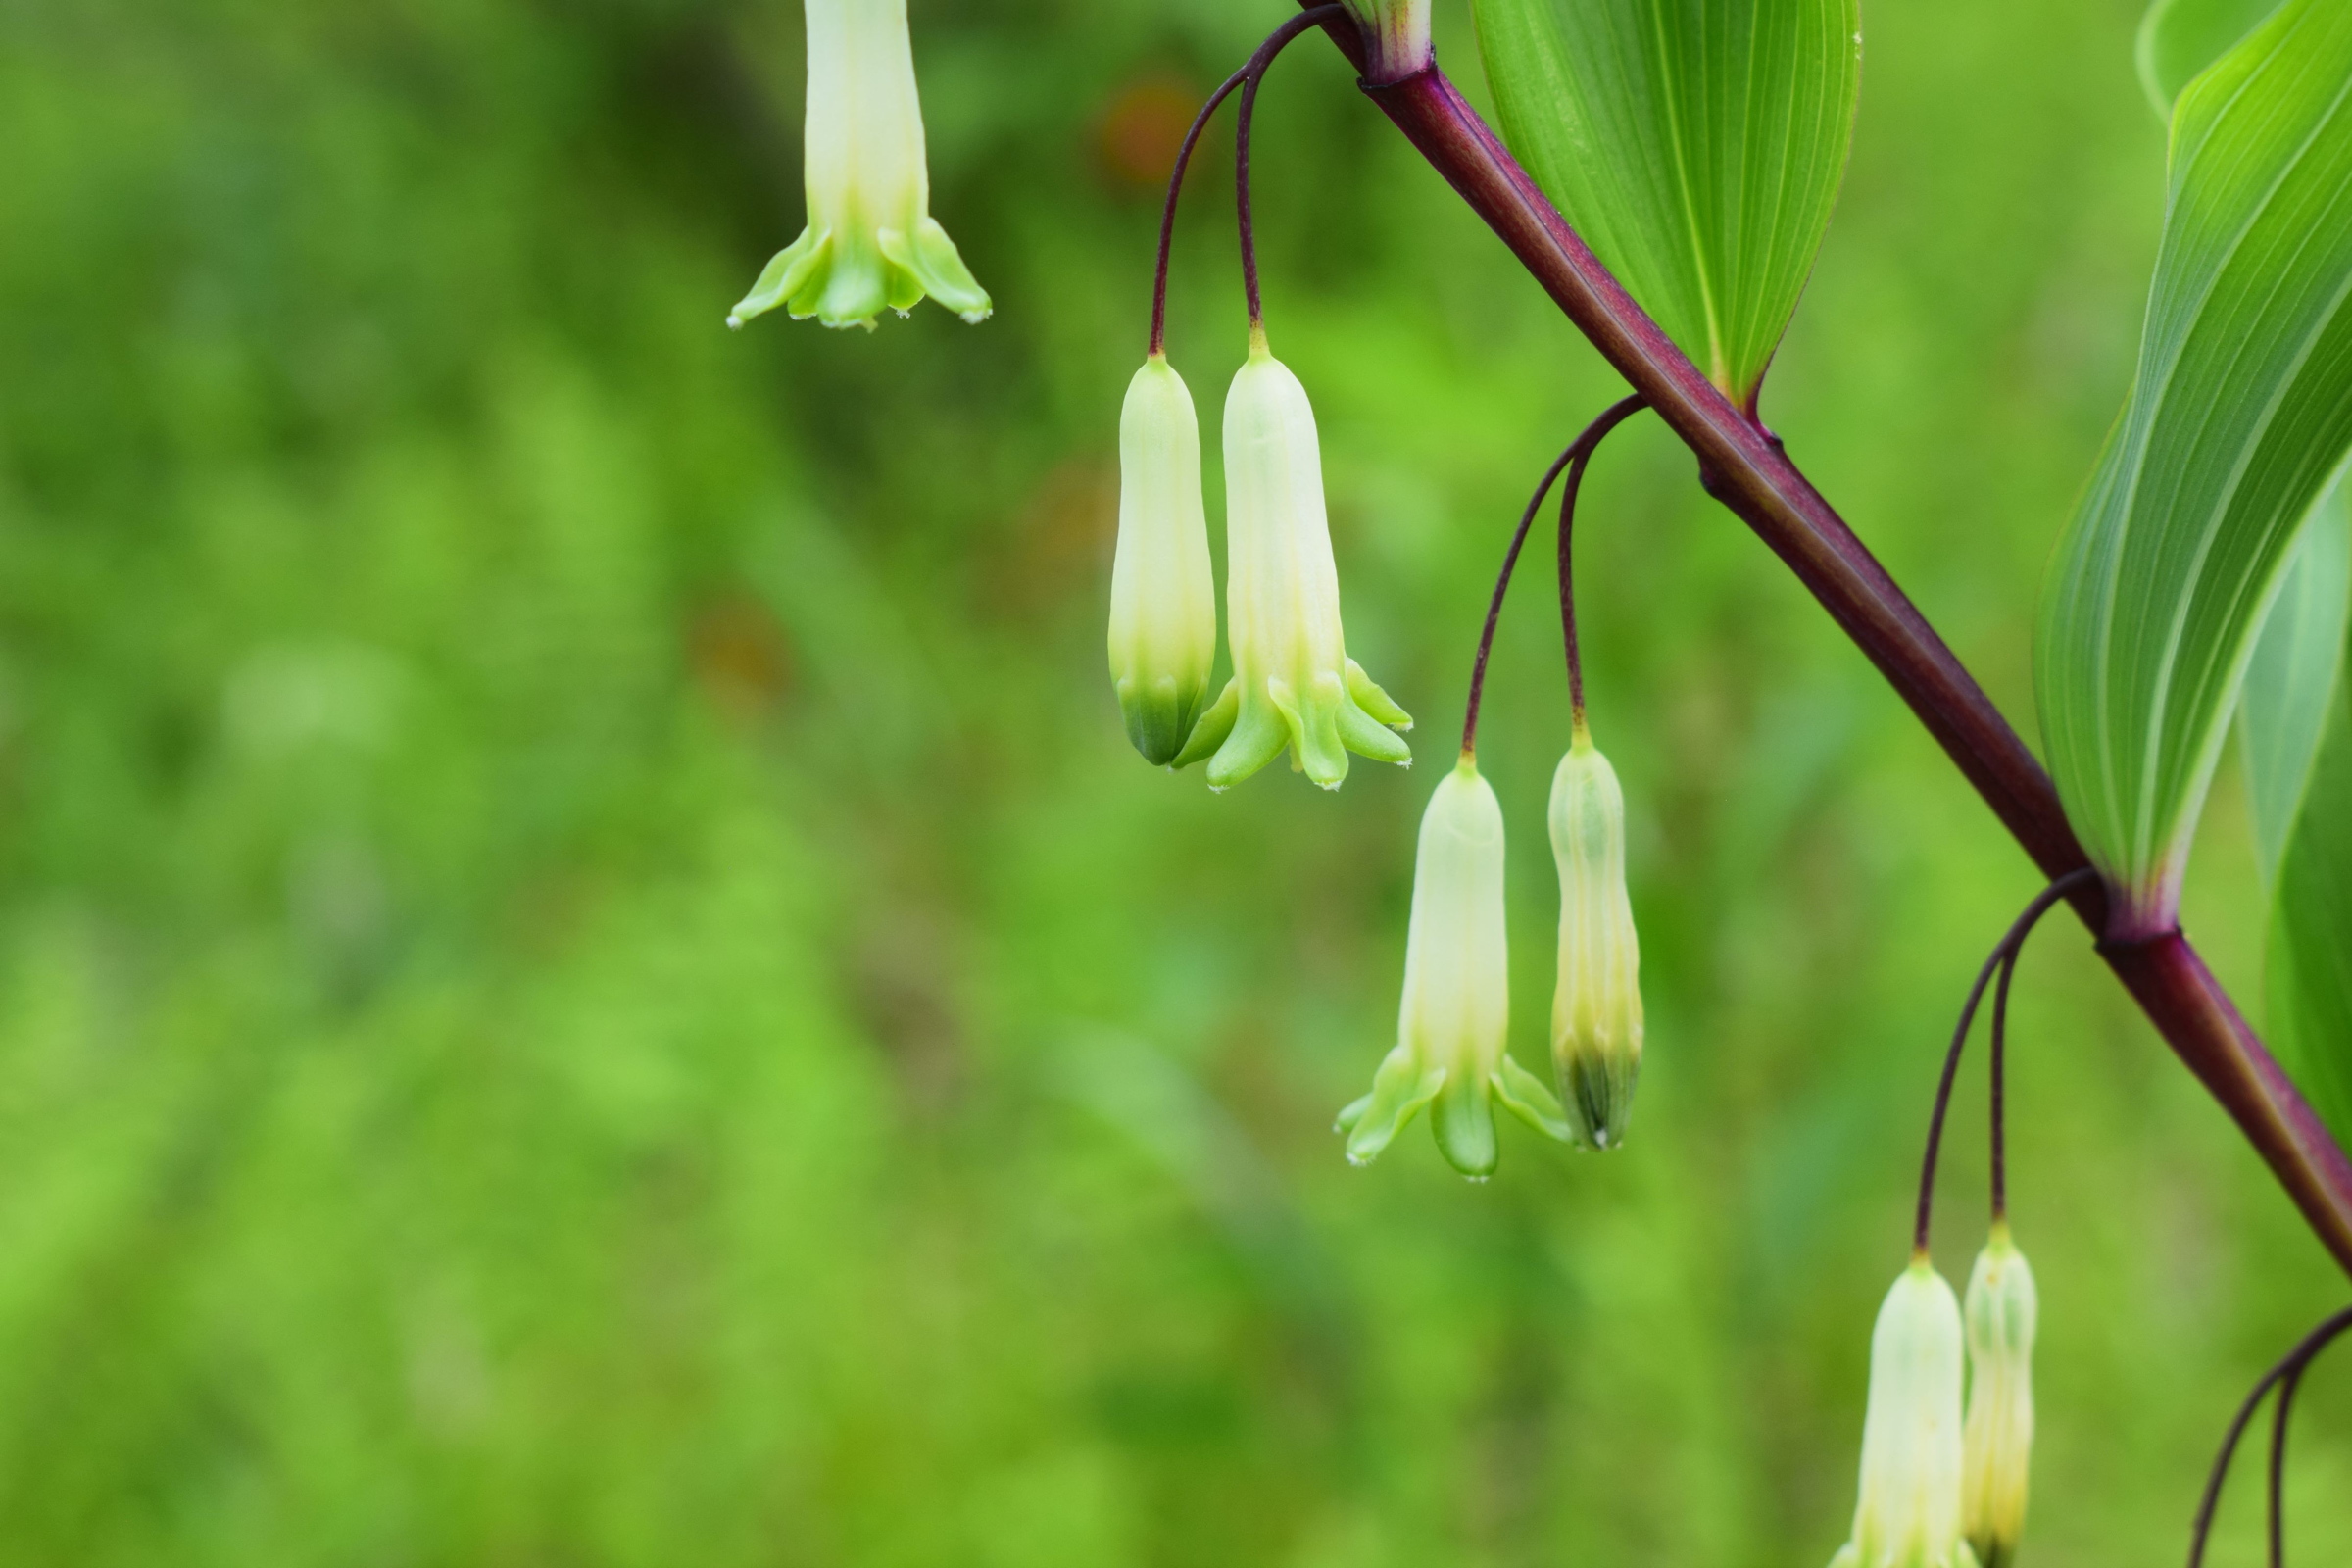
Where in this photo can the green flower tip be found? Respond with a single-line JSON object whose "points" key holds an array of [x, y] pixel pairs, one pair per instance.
{"points": [[847, 283]]}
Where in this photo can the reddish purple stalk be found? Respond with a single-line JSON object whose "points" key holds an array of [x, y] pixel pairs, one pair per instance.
{"points": [[1577, 452], [1617, 414], [2288, 1376], [1253, 71], [2004, 962]]}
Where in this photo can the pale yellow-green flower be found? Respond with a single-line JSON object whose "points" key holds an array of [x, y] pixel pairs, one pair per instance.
{"points": [[870, 240], [2002, 1309], [1456, 1014], [1908, 1514], [1596, 1009], [1294, 684], [1164, 596]]}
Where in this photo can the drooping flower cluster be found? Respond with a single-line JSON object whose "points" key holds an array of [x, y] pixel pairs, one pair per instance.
{"points": [[1456, 1016], [1293, 686], [1941, 1489], [1936, 1491], [870, 240], [1596, 1004]]}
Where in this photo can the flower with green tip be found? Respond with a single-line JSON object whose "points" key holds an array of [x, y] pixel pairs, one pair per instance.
{"points": [[1596, 1009], [1456, 1014], [1908, 1515], [1293, 685], [1163, 594], [870, 240], [2002, 1309]]}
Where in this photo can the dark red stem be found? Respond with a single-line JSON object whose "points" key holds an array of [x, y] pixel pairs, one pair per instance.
{"points": [[1254, 74], [1744, 468], [2004, 958], [1577, 452], [1241, 202], [1998, 1115], [1253, 70], [1503, 581], [1618, 413], [2288, 1371], [2280, 1414], [1167, 214]]}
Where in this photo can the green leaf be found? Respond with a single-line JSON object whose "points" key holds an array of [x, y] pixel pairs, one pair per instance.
{"points": [[2295, 723], [2239, 411], [2291, 682], [2295, 726], [2310, 957], [1696, 145], [2178, 39]]}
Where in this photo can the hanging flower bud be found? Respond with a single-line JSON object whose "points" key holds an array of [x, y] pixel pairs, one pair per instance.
{"points": [[1451, 1029], [2001, 1313], [870, 240], [1164, 596], [1294, 684], [1910, 1512], [1596, 1009]]}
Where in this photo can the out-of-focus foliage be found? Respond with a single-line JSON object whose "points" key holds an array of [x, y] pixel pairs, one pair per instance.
{"points": [[1695, 144], [587, 974], [2240, 414]]}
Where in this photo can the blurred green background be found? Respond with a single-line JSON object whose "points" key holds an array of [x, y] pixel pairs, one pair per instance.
{"points": [[586, 976]]}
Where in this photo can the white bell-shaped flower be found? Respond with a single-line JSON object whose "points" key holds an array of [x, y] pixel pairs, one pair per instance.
{"points": [[1294, 684], [1908, 1515], [1596, 1009], [2002, 1309], [1163, 594], [1457, 1015], [870, 240]]}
